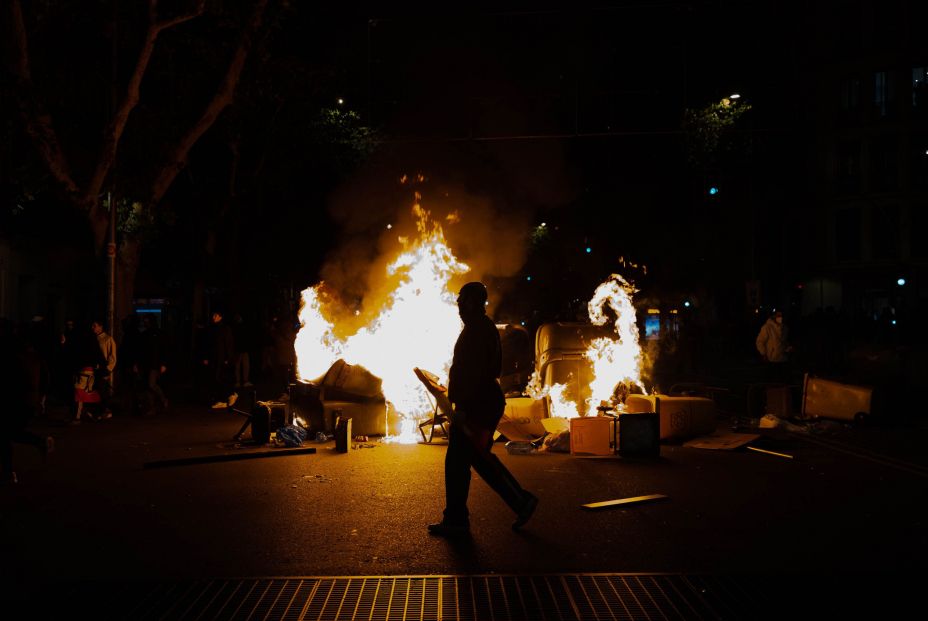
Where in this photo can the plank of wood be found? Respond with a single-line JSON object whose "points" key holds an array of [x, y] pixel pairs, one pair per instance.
{"points": [[623, 502], [760, 450]]}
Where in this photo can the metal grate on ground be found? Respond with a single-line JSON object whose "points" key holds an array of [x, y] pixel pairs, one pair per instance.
{"points": [[572, 597]]}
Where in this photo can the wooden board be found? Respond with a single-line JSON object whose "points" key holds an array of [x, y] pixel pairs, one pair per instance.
{"points": [[623, 502]]}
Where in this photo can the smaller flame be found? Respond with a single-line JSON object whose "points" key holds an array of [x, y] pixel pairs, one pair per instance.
{"points": [[615, 361]]}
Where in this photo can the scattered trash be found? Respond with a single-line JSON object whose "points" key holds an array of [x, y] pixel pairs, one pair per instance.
{"points": [[322, 436], [623, 502], [769, 421], [360, 438], [316, 478], [794, 428], [557, 442], [291, 435], [519, 447]]}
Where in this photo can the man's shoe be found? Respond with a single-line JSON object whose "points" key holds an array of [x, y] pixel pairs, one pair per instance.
{"points": [[220, 405], [448, 529], [525, 513], [233, 398]]}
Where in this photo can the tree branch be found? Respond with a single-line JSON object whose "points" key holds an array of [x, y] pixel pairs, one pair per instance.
{"points": [[180, 19], [38, 121], [117, 124], [222, 98]]}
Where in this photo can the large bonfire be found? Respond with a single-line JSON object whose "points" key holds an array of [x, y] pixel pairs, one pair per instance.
{"points": [[416, 324]]}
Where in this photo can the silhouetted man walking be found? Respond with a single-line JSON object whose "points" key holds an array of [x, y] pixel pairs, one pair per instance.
{"points": [[474, 390]]}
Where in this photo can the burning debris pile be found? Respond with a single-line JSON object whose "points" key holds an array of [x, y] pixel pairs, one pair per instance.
{"points": [[583, 367], [415, 324]]}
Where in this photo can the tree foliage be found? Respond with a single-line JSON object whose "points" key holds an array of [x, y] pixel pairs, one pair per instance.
{"points": [[708, 129], [343, 135]]}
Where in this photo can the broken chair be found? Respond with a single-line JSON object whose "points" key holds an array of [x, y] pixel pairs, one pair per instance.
{"points": [[443, 411]]}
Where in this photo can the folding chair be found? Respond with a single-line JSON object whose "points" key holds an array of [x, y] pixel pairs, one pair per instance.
{"points": [[443, 412]]}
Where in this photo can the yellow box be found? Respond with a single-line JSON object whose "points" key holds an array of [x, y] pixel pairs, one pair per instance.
{"points": [[592, 435]]}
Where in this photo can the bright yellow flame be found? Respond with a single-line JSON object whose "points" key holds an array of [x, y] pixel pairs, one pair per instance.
{"points": [[416, 326], [614, 361]]}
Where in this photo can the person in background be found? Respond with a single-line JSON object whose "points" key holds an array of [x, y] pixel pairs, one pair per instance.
{"points": [[151, 364], [104, 380], [220, 351], [772, 344], [475, 393]]}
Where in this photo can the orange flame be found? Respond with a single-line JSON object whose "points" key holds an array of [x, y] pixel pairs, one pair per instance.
{"points": [[416, 326], [614, 361]]}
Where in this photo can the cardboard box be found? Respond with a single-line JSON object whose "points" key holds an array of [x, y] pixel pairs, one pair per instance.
{"points": [[681, 418], [592, 435], [522, 418]]}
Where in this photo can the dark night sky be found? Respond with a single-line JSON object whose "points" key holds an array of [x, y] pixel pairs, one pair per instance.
{"points": [[564, 113], [569, 113]]}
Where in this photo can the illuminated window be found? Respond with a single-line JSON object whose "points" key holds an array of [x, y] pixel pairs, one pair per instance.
{"points": [[652, 324]]}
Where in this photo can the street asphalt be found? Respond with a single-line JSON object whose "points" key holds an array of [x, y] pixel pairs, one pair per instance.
{"points": [[840, 506]]}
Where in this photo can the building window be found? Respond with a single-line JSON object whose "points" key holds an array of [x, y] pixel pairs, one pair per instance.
{"points": [[884, 165], [920, 87], [885, 232], [847, 234], [847, 167], [850, 97], [881, 93]]}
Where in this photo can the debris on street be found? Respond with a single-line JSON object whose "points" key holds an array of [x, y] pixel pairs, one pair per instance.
{"points": [[623, 502]]}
